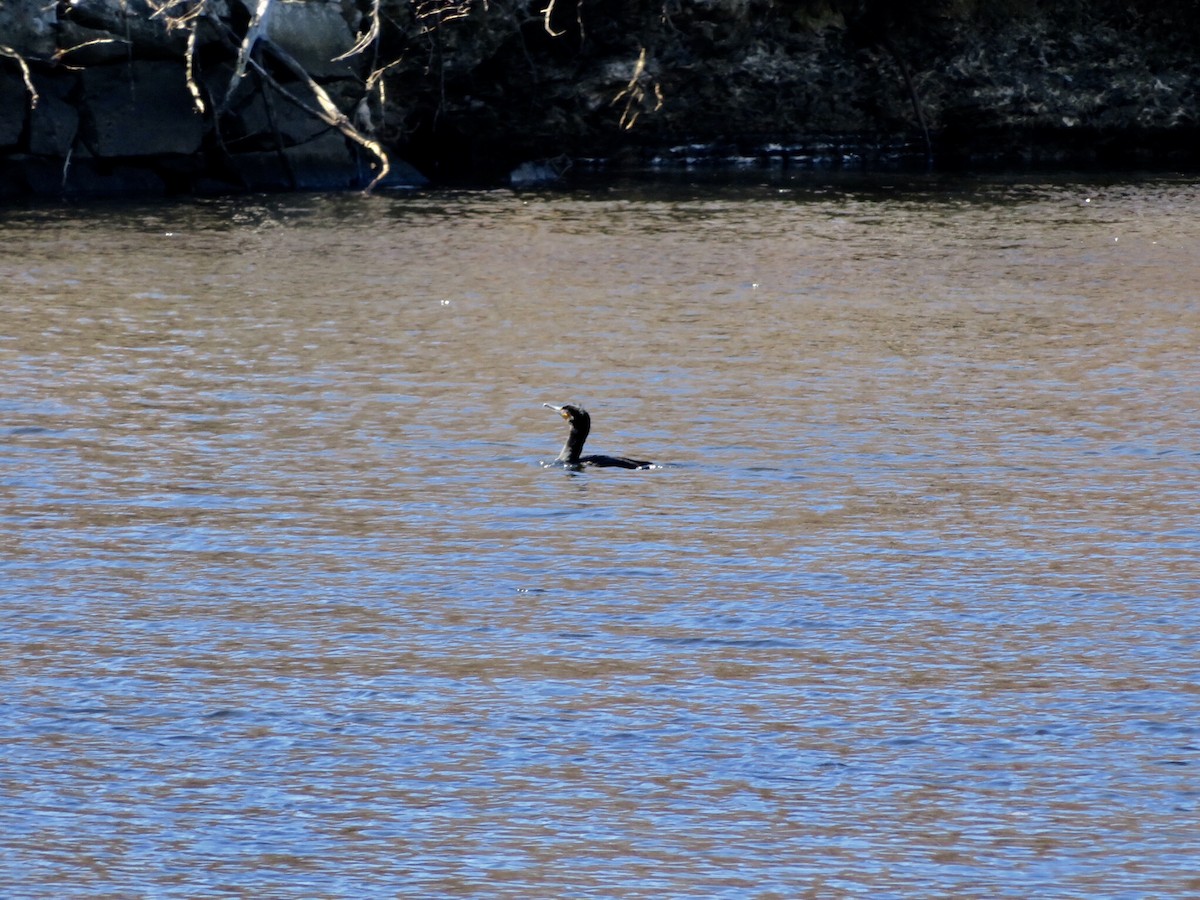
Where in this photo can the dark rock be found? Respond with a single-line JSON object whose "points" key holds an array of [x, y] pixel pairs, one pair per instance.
{"points": [[327, 163], [140, 109], [27, 26], [83, 46], [138, 23], [474, 89], [14, 105], [402, 175], [538, 173], [54, 122], [266, 117], [88, 177]]}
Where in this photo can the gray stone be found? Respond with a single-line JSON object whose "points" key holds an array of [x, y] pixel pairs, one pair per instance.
{"points": [[140, 109], [314, 34]]}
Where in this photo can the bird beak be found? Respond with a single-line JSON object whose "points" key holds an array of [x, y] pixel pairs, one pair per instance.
{"points": [[552, 406]]}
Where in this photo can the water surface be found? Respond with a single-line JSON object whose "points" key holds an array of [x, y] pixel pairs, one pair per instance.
{"points": [[289, 607]]}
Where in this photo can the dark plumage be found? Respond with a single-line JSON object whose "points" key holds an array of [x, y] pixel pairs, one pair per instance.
{"points": [[581, 424]]}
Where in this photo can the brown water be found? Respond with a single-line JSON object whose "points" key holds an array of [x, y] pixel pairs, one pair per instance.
{"points": [[289, 608]]}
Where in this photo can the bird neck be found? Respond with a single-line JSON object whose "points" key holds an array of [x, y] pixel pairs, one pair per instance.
{"points": [[574, 445]]}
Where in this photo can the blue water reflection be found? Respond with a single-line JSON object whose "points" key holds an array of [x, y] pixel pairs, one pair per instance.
{"points": [[289, 607]]}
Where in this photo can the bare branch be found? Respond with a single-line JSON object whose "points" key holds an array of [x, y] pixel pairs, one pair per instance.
{"points": [[368, 38], [64, 51], [190, 73], [25, 73], [192, 10], [254, 33], [441, 12], [634, 94], [546, 14]]}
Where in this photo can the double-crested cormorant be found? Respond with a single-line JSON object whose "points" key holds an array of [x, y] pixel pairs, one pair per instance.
{"points": [[581, 424]]}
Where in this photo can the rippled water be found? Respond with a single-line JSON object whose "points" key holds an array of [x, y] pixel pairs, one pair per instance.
{"points": [[289, 608]]}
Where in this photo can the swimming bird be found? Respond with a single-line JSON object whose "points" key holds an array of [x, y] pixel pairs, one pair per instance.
{"points": [[581, 424]]}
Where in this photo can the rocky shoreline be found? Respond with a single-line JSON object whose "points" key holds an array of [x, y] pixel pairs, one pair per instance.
{"points": [[116, 97]]}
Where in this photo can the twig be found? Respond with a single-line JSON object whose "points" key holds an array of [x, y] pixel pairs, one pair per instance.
{"points": [[442, 11], [546, 14], [634, 93], [368, 37], [25, 73], [190, 67], [913, 97], [254, 33]]}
